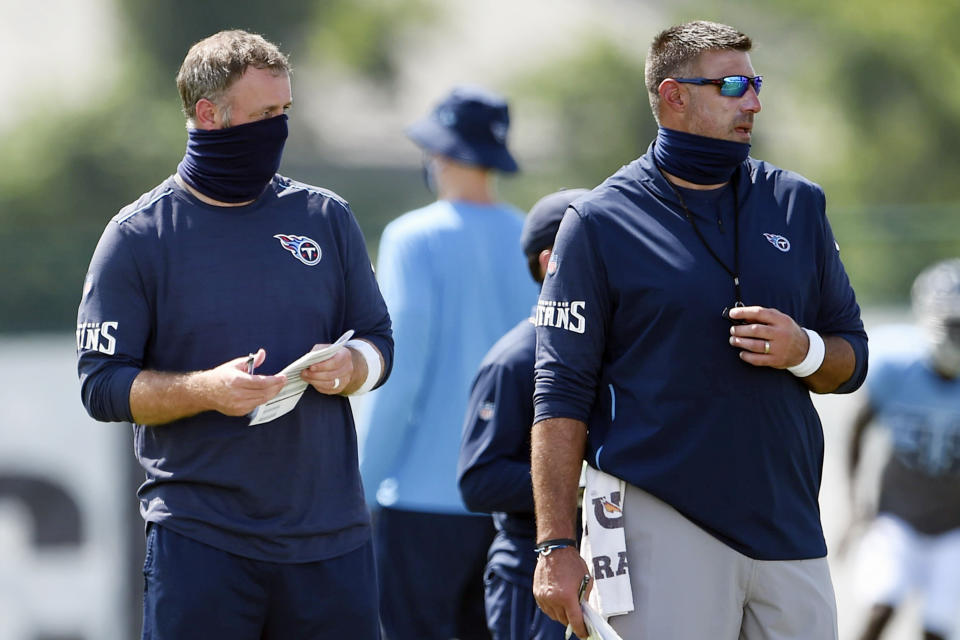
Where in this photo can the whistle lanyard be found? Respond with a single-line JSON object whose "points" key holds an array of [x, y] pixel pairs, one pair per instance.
{"points": [[735, 271]]}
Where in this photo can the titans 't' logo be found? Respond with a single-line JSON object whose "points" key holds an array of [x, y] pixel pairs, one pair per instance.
{"points": [[303, 248]]}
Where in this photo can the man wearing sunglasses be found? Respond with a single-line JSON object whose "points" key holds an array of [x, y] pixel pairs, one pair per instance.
{"points": [[692, 303]]}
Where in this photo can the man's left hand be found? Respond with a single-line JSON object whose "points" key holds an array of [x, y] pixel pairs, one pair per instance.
{"points": [[334, 375], [769, 338]]}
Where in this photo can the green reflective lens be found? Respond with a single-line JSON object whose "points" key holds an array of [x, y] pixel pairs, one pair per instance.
{"points": [[734, 86]]}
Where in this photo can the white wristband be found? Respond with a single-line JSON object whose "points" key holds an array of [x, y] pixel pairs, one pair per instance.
{"points": [[373, 364], [814, 359]]}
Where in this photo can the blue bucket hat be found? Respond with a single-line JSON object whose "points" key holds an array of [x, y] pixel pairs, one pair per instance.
{"points": [[469, 125], [541, 224]]}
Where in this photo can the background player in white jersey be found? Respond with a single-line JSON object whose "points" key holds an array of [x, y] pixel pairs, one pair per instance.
{"points": [[913, 545]]}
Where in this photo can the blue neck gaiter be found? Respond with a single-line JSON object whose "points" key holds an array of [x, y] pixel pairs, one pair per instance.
{"points": [[234, 164], [698, 159]]}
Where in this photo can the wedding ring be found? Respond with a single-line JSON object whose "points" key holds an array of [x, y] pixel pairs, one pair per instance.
{"points": [[336, 381], [766, 346]]}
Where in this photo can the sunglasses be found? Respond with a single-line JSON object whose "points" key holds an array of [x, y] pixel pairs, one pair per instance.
{"points": [[732, 86]]}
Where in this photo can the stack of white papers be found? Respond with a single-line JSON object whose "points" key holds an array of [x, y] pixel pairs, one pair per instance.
{"points": [[288, 397]]}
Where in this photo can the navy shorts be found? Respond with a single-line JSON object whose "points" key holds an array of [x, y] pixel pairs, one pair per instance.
{"points": [[192, 590], [430, 567], [513, 614]]}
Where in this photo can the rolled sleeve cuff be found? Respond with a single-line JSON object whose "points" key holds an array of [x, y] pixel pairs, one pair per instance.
{"points": [[107, 395], [547, 408], [859, 344]]}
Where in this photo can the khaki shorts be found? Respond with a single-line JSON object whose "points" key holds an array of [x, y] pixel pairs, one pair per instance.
{"points": [[687, 585]]}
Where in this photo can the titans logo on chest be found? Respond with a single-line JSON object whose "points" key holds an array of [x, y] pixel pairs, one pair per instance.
{"points": [[303, 248]]}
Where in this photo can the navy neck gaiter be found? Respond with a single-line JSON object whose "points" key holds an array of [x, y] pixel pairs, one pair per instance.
{"points": [[698, 159], [429, 174], [234, 164]]}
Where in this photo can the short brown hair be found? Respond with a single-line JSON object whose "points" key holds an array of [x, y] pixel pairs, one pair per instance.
{"points": [[216, 62], [674, 50]]}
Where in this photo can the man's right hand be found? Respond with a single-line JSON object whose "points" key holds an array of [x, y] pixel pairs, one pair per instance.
{"points": [[556, 583], [234, 392], [158, 397]]}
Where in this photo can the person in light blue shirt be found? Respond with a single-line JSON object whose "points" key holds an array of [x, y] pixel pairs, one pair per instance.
{"points": [[454, 282]]}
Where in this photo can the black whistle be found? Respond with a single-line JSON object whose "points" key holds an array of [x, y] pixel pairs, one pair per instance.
{"points": [[726, 316]]}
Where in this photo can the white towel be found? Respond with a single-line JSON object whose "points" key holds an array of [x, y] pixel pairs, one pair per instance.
{"points": [[596, 626], [604, 546]]}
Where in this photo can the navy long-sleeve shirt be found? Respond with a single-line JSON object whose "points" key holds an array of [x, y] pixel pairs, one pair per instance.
{"points": [[631, 341], [494, 466], [178, 285]]}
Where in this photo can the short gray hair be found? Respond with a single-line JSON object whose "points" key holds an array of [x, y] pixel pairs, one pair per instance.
{"points": [[674, 50], [213, 64]]}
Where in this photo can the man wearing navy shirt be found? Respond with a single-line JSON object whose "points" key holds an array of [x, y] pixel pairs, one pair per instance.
{"points": [[252, 531], [494, 466], [692, 302]]}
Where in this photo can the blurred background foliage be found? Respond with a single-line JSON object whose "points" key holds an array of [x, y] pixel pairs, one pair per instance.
{"points": [[862, 97]]}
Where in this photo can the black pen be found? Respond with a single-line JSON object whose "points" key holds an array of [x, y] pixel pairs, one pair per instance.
{"points": [[583, 587], [582, 590]]}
